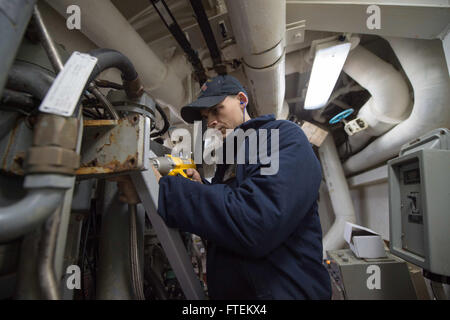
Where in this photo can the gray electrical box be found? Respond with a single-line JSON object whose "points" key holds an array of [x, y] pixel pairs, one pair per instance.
{"points": [[354, 278], [419, 202]]}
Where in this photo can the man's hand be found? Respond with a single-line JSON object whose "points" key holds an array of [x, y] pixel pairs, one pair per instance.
{"points": [[194, 175], [157, 174]]}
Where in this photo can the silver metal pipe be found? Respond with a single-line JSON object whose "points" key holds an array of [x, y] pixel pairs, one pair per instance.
{"points": [[48, 283], [47, 41], [22, 217], [27, 287], [136, 275]]}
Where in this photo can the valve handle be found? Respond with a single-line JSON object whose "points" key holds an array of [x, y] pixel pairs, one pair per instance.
{"points": [[340, 116]]}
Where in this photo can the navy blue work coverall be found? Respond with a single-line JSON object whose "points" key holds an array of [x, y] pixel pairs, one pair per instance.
{"points": [[263, 231]]}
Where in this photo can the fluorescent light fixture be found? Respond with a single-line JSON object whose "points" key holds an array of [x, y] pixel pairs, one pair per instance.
{"points": [[328, 63]]}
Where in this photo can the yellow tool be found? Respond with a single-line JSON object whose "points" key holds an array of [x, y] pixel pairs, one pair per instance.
{"points": [[172, 166]]}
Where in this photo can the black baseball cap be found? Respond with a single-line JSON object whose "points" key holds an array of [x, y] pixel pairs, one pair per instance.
{"points": [[213, 92]]}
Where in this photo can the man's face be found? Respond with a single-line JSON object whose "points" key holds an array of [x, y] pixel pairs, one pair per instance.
{"points": [[225, 115]]}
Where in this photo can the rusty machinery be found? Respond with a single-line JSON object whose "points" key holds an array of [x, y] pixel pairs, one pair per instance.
{"points": [[58, 209]]}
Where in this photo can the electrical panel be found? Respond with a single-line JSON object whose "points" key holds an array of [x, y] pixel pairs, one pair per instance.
{"points": [[419, 196]]}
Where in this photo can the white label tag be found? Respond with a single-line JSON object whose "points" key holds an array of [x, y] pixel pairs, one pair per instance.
{"points": [[63, 96]]}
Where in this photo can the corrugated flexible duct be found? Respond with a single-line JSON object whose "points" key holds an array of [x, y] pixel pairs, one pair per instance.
{"points": [[424, 63], [259, 27]]}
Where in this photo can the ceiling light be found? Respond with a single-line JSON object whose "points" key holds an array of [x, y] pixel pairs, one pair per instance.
{"points": [[328, 63]]}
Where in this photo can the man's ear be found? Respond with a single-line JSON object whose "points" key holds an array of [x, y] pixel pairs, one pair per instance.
{"points": [[243, 99]]}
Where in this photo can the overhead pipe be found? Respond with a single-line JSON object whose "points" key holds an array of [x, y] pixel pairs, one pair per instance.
{"points": [[339, 195], [424, 63], [259, 27], [390, 101], [107, 28]]}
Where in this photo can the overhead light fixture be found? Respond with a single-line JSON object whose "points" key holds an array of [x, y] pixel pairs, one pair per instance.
{"points": [[328, 62]]}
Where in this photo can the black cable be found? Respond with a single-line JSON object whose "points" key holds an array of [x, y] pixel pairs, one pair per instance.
{"points": [[166, 16], [29, 78], [166, 122], [98, 112], [89, 114], [108, 84], [109, 58], [208, 35], [17, 100]]}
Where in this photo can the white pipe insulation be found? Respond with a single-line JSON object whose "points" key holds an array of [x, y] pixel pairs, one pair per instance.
{"points": [[390, 103], [104, 25], [424, 63], [339, 195], [259, 27]]}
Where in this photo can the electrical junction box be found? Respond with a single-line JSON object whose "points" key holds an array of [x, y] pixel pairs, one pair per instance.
{"points": [[355, 126], [354, 278], [419, 202]]}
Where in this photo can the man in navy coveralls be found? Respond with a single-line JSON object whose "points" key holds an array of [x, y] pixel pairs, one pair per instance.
{"points": [[264, 239]]}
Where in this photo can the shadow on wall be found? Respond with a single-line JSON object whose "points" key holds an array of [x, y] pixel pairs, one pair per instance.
{"points": [[371, 205]]}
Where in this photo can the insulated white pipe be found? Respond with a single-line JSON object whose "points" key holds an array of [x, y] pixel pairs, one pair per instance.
{"points": [[390, 102], [339, 195], [424, 64], [259, 28], [103, 24]]}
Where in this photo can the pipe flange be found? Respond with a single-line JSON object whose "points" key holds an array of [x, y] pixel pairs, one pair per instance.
{"points": [[51, 159], [52, 130]]}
